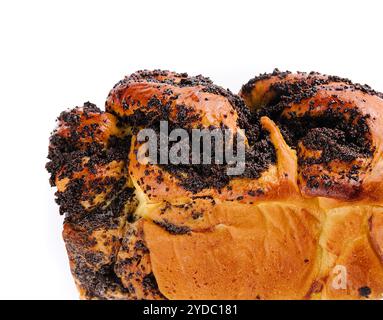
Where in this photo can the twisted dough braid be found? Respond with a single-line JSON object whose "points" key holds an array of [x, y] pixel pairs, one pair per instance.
{"points": [[310, 197], [333, 124]]}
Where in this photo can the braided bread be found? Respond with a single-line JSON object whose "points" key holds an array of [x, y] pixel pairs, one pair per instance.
{"points": [[307, 206]]}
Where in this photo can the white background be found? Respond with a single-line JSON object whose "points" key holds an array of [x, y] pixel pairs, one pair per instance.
{"points": [[58, 54]]}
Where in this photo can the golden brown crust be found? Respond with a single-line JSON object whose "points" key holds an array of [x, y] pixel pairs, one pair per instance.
{"points": [[349, 239], [239, 256], [141, 101], [375, 225], [308, 204]]}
